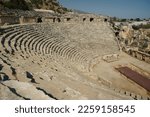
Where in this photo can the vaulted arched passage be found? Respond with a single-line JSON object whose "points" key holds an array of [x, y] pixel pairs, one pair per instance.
{"points": [[105, 20], [58, 19], [91, 19], [39, 20], [84, 19], [68, 19]]}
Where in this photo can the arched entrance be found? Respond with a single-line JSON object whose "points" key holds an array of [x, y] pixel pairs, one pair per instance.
{"points": [[84, 19], [91, 19], [39, 20], [68, 19], [105, 20], [58, 19]]}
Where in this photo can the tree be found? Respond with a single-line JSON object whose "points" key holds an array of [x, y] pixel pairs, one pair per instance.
{"points": [[123, 20], [131, 19], [137, 19]]}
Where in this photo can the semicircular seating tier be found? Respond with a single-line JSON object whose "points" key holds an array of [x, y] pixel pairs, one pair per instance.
{"points": [[77, 43]]}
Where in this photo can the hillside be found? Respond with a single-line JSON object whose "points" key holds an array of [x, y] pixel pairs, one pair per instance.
{"points": [[33, 4]]}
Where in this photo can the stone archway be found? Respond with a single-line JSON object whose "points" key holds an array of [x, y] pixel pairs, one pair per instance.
{"points": [[105, 20], [116, 34], [58, 19], [91, 19], [84, 19], [39, 20], [68, 19]]}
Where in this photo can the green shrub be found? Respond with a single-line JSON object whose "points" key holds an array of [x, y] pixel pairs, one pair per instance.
{"points": [[16, 4], [135, 27], [145, 26], [142, 26]]}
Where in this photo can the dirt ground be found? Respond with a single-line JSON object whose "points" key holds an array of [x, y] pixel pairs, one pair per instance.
{"points": [[113, 78]]}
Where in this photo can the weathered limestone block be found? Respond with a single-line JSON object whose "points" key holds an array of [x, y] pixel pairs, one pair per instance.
{"points": [[111, 58], [26, 90]]}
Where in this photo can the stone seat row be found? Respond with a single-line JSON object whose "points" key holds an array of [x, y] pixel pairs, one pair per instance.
{"points": [[29, 42]]}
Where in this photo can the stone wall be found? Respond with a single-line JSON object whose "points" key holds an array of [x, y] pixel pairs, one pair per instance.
{"points": [[139, 55], [24, 20], [74, 19], [48, 19], [64, 18], [9, 20]]}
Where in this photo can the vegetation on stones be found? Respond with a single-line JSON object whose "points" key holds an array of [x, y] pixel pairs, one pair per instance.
{"points": [[34, 4], [16, 4], [142, 26]]}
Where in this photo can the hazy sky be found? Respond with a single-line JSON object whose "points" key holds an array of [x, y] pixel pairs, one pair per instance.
{"points": [[118, 8]]}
